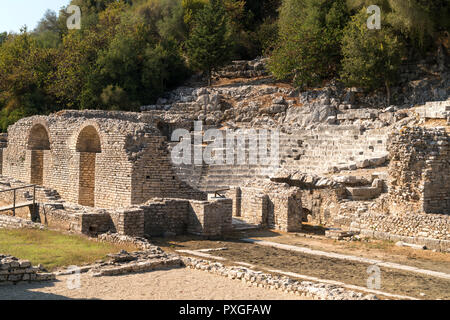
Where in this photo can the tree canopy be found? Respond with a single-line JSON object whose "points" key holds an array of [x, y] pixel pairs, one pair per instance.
{"points": [[128, 52]]}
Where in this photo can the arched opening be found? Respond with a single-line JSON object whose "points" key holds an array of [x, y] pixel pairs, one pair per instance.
{"points": [[88, 145], [38, 143]]}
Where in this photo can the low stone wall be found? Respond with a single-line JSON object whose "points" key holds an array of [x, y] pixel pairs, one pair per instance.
{"points": [[128, 222], [319, 291], [139, 242], [431, 230], [8, 222], [13, 271]]}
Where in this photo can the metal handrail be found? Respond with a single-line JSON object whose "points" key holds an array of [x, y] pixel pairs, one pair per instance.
{"points": [[217, 193], [14, 196]]}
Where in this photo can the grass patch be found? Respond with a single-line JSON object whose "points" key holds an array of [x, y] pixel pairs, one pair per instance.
{"points": [[53, 249]]}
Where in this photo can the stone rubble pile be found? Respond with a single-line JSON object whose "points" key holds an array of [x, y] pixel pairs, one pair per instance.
{"points": [[243, 69], [139, 242], [319, 291], [140, 261], [124, 263], [264, 103], [14, 271]]}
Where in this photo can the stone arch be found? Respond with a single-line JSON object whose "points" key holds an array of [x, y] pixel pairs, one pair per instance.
{"points": [[38, 143], [88, 145], [88, 140], [38, 138]]}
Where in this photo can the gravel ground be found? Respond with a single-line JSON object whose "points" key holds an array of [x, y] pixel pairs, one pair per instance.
{"points": [[174, 284]]}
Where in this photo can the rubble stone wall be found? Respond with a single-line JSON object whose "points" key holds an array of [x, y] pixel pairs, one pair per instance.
{"points": [[419, 170], [8, 222], [13, 271], [431, 230]]}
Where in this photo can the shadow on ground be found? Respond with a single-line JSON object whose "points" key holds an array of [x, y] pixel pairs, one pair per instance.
{"points": [[23, 291]]}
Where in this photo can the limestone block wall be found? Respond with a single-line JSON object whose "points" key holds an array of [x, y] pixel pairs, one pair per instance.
{"points": [[14, 271], [321, 205], [95, 158], [285, 211], [128, 222], [235, 194], [8, 222], [254, 206], [420, 170], [165, 215], [86, 192], [431, 230], [210, 218], [272, 205], [153, 174], [60, 218]]}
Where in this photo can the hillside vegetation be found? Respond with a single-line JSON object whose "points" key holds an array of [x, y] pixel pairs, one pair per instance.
{"points": [[128, 52]]}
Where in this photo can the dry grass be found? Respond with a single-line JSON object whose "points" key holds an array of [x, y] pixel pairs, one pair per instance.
{"points": [[53, 249]]}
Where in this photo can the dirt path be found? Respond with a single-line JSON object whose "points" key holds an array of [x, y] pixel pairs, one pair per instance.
{"points": [[175, 284], [349, 272], [374, 249], [333, 255]]}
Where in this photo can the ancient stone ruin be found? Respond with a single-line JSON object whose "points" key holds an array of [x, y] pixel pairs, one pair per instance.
{"points": [[343, 162]]}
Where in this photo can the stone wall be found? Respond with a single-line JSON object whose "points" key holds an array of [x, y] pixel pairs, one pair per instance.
{"points": [[431, 230], [210, 219], [272, 205], [128, 222], [165, 216], [8, 222], [419, 170], [106, 159], [13, 271], [254, 206]]}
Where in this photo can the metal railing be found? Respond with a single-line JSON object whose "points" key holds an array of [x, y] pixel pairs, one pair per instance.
{"points": [[219, 193], [14, 205]]}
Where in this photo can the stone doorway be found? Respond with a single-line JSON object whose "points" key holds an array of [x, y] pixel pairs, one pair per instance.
{"points": [[38, 144], [88, 146]]}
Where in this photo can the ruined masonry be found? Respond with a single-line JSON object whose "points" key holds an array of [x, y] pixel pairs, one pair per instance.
{"points": [[344, 162]]}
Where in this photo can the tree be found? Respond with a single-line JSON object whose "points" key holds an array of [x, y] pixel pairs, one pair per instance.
{"points": [[310, 32], [208, 45], [24, 71], [370, 57], [418, 21]]}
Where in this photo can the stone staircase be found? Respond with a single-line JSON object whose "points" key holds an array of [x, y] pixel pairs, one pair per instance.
{"points": [[333, 149], [435, 110], [323, 150], [42, 195]]}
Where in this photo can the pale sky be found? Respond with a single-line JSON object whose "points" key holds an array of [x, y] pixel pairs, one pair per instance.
{"points": [[16, 13]]}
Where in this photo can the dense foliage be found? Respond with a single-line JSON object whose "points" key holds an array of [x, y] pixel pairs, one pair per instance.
{"points": [[320, 39], [128, 52]]}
